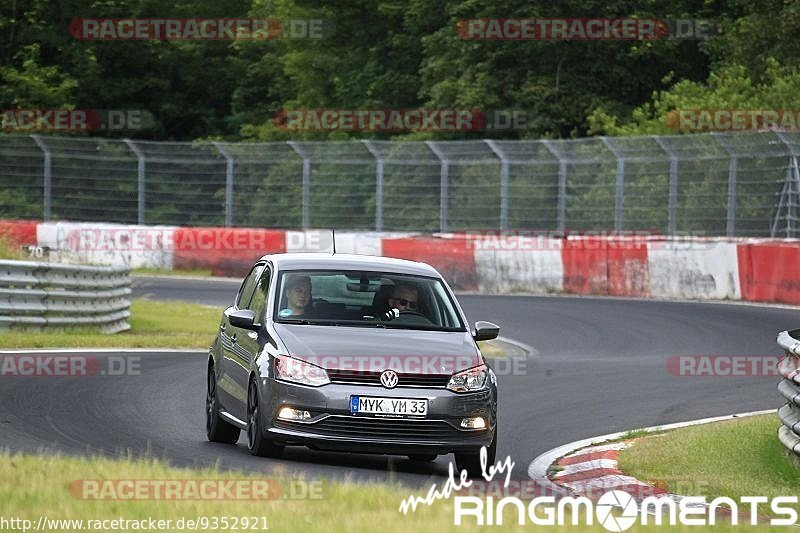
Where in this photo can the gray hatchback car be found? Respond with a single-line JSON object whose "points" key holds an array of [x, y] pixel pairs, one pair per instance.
{"points": [[351, 353]]}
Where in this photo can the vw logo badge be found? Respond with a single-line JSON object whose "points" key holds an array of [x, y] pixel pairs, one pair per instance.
{"points": [[389, 379]]}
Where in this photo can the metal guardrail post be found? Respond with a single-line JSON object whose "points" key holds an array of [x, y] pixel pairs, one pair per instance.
{"points": [[140, 179], [230, 162], [790, 192], [733, 170], [504, 178], [378, 184], [569, 187], [58, 295], [619, 189], [561, 209], [444, 185], [789, 388], [791, 204], [306, 200], [47, 177], [672, 197]]}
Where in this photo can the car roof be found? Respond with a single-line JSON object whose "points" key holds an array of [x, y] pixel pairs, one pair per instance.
{"points": [[316, 261]]}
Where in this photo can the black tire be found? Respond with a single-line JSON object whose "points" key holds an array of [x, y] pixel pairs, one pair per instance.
{"points": [[471, 461], [423, 458], [217, 429], [256, 442]]}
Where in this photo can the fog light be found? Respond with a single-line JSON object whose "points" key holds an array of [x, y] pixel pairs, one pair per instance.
{"points": [[473, 423], [288, 413]]}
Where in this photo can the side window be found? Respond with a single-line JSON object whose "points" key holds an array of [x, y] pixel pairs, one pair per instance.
{"points": [[246, 291], [259, 300]]}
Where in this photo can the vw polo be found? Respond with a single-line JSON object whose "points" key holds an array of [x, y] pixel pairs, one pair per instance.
{"points": [[354, 354]]}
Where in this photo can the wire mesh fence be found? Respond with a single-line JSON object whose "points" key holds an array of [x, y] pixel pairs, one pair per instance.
{"points": [[732, 184]]}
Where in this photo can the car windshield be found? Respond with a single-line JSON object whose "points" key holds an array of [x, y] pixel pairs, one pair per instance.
{"points": [[372, 299]]}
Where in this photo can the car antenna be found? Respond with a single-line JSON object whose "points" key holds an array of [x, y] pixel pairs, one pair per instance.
{"points": [[333, 237]]}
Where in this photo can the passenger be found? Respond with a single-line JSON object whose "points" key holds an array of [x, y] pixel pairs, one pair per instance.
{"points": [[297, 295]]}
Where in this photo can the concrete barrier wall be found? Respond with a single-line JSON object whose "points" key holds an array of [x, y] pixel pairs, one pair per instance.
{"points": [[694, 270], [516, 267], [752, 270], [608, 266], [453, 256], [226, 251], [131, 246], [18, 232], [769, 271]]}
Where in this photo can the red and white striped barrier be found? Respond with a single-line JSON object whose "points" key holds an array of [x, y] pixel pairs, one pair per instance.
{"points": [[593, 471], [761, 270]]}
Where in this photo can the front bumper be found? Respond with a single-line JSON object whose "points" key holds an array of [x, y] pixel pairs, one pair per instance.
{"points": [[333, 427]]}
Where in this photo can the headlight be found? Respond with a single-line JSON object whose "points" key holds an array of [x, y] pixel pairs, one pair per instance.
{"points": [[294, 370], [468, 380]]}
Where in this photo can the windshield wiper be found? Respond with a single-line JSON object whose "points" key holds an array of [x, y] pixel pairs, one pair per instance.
{"points": [[294, 321], [418, 327], [318, 322]]}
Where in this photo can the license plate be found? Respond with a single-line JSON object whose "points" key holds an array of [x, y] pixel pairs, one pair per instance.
{"points": [[388, 406]]}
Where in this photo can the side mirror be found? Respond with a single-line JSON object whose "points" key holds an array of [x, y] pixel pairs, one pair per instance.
{"points": [[243, 318], [485, 331]]}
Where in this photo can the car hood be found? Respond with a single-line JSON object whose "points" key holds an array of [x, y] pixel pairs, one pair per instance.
{"points": [[378, 349]]}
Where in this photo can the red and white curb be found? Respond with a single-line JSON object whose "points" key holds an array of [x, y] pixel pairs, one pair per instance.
{"points": [[589, 467], [593, 471]]}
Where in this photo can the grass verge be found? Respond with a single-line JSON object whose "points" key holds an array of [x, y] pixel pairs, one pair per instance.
{"points": [[34, 486], [39, 485], [10, 251], [732, 458], [154, 324]]}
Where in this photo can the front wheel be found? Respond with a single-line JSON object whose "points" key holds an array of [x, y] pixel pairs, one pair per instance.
{"points": [[217, 429], [256, 442], [471, 460]]}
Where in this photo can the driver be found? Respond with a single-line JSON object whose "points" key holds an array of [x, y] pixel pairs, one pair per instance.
{"points": [[403, 298]]}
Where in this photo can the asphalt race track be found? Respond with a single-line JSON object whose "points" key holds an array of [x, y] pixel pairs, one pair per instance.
{"points": [[599, 367]]}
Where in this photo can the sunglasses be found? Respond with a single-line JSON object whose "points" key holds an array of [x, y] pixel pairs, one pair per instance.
{"points": [[411, 304]]}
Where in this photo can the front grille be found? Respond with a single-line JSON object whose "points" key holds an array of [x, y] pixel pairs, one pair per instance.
{"points": [[363, 377], [387, 429]]}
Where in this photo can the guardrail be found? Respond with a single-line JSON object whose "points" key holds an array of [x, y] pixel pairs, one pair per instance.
{"points": [[789, 387], [55, 295]]}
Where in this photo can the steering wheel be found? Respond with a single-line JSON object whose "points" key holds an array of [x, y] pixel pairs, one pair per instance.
{"points": [[413, 313]]}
